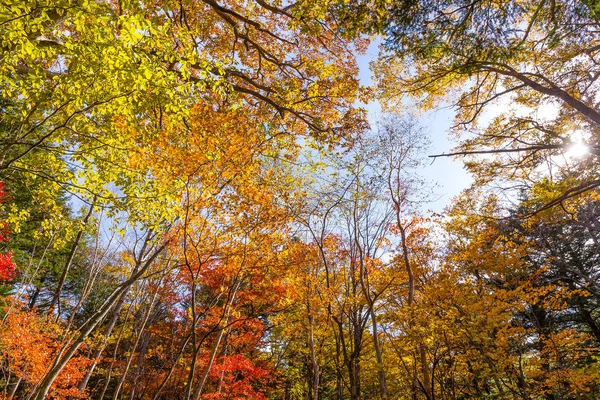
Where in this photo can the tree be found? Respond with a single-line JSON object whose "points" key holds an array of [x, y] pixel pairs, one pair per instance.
{"points": [[342, 278], [151, 111], [7, 265], [533, 353], [29, 344], [521, 74]]}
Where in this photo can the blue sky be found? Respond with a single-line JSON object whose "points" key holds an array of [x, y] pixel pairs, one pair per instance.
{"points": [[447, 173]]}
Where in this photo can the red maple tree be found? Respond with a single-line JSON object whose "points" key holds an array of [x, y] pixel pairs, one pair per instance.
{"points": [[7, 265]]}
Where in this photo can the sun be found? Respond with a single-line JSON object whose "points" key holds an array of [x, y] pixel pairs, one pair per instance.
{"points": [[578, 150]]}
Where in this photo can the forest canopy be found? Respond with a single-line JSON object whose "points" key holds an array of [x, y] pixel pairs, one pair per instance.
{"points": [[195, 202]]}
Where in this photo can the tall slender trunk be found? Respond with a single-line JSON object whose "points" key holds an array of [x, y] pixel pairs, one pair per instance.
{"points": [[226, 314], [114, 356], [339, 388], [209, 365], [194, 337], [55, 302], [13, 391], [88, 327], [425, 371], [107, 331], [106, 334], [90, 280], [379, 356], [170, 373], [424, 366], [137, 341], [354, 378], [313, 357], [222, 376], [371, 312]]}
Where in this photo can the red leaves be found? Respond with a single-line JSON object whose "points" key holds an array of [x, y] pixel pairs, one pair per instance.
{"points": [[2, 192], [238, 378], [7, 265]]}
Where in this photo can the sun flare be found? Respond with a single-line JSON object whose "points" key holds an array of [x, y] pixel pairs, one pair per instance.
{"points": [[578, 150]]}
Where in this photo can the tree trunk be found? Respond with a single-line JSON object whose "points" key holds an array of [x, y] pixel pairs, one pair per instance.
{"points": [[13, 391], [411, 299], [56, 298], [313, 357], [107, 331], [136, 343], [170, 373], [378, 355], [226, 314], [114, 357], [69, 350]]}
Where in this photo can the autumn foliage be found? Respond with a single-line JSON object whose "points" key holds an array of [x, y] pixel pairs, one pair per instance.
{"points": [[195, 203], [7, 265], [24, 329]]}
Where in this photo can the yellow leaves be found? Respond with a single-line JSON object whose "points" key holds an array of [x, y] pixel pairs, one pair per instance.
{"points": [[133, 27], [127, 258], [173, 119], [16, 217], [147, 73]]}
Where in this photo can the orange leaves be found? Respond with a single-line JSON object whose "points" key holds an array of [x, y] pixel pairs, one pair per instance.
{"points": [[28, 342], [21, 332], [186, 116], [515, 311]]}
